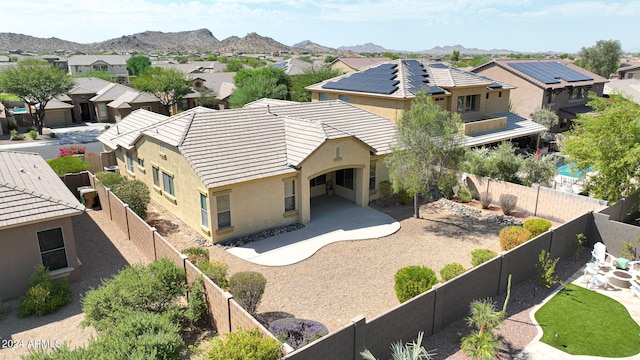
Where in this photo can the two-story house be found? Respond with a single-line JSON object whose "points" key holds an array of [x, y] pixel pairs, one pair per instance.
{"points": [[556, 85], [116, 65], [388, 88], [239, 171]]}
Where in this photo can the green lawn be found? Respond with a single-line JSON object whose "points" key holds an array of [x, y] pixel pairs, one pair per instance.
{"points": [[588, 323]]}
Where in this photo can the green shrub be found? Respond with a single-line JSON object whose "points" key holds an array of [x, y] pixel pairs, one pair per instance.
{"points": [[196, 255], [247, 288], [386, 191], [216, 271], [134, 193], [15, 135], [44, 296], [140, 335], [546, 269], [109, 179], [196, 306], [450, 271], [68, 164], [151, 288], [446, 182], [405, 197], [241, 345], [512, 236], [465, 194], [33, 134], [480, 256], [413, 280], [536, 226]]}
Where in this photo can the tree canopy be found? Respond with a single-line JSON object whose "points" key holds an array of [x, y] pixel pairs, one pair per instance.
{"points": [[35, 82], [254, 84], [602, 58], [607, 141], [309, 77], [169, 85], [546, 118], [137, 64], [429, 141]]}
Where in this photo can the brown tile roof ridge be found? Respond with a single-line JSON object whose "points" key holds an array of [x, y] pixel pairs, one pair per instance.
{"points": [[42, 196]]}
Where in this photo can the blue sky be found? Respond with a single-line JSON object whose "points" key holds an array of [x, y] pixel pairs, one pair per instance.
{"points": [[414, 25]]}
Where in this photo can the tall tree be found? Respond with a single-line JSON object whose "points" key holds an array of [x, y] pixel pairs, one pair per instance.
{"points": [[256, 88], [602, 58], [607, 142], [137, 64], [310, 76], [546, 118], [35, 82], [429, 140], [169, 85], [455, 55]]}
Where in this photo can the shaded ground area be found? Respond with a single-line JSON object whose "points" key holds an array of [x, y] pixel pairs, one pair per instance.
{"points": [[103, 250]]}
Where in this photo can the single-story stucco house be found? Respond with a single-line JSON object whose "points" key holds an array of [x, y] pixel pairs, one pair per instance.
{"points": [[35, 222], [228, 173]]}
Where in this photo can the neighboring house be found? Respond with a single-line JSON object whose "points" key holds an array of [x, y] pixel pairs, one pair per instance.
{"points": [[294, 66], [629, 88], [115, 101], [554, 84], [239, 171], [629, 72], [59, 63], [353, 64], [35, 222], [116, 65], [57, 113], [387, 89], [219, 85], [81, 94], [192, 67]]}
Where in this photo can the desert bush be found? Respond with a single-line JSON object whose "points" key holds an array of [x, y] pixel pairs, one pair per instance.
{"points": [[247, 287], [512, 236], [546, 270], [536, 226], [578, 246], [196, 254], [407, 351], [151, 288], [33, 134], [109, 179], [485, 200], [465, 194], [241, 345], [15, 135], [508, 203], [405, 197], [297, 332], [450, 271], [411, 281], [446, 182], [134, 193], [480, 256], [68, 164], [216, 271], [196, 306], [44, 296]]}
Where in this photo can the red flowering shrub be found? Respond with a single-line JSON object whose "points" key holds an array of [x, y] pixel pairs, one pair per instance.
{"points": [[70, 150]]}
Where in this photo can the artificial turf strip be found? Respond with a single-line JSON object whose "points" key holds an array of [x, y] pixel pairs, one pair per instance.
{"points": [[588, 323]]}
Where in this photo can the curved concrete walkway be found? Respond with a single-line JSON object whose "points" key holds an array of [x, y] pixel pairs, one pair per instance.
{"points": [[332, 219]]}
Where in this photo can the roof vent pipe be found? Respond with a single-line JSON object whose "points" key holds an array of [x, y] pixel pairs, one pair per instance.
{"points": [[268, 109]]}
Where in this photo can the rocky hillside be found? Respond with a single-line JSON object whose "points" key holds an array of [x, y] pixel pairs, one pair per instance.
{"points": [[201, 39], [26, 43], [313, 47], [252, 42]]}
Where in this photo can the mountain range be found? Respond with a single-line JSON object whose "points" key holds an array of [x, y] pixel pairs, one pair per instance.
{"points": [[199, 41]]}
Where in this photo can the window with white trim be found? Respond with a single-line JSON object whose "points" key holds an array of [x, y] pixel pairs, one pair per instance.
{"points": [[155, 171], [52, 250], [167, 184], [102, 110], [289, 195], [223, 209], [130, 162], [204, 212], [468, 103]]}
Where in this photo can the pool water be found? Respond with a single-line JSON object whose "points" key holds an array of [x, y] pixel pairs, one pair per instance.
{"points": [[19, 111]]}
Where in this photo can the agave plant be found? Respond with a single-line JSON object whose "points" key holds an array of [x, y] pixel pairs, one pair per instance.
{"points": [[409, 351]]}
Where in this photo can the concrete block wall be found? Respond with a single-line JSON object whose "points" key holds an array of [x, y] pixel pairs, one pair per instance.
{"points": [[141, 234], [118, 213]]}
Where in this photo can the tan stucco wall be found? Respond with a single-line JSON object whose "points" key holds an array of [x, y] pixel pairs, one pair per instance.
{"points": [[21, 253], [342, 67], [498, 101], [57, 117], [526, 98], [389, 108]]}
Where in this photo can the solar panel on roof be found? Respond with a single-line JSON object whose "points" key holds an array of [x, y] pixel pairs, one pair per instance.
{"points": [[439, 66], [550, 72], [380, 79]]}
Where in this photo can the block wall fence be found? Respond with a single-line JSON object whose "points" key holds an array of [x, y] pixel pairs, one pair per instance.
{"points": [[429, 312]]}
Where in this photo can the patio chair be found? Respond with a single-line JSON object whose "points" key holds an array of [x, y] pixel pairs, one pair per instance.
{"points": [[633, 267], [601, 257]]}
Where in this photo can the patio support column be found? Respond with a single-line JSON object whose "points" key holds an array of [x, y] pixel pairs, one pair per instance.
{"points": [[361, 186], [305, 200]]}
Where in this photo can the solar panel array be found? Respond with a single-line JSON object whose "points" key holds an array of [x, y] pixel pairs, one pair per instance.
{"points": [[549, 72], [418, 78], [380, 80]]}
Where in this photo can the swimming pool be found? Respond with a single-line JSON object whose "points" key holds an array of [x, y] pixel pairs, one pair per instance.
{"points": [[569, 169], [19, 111]]}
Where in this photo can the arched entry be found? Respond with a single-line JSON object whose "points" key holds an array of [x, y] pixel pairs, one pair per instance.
{"points": [[337, 188]]}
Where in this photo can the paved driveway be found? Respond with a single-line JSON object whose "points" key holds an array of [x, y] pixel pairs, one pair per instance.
{"points": [[332, 219]]}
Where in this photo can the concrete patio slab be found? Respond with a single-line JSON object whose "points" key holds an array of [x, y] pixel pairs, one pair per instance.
{"points": [[332, 219]]}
